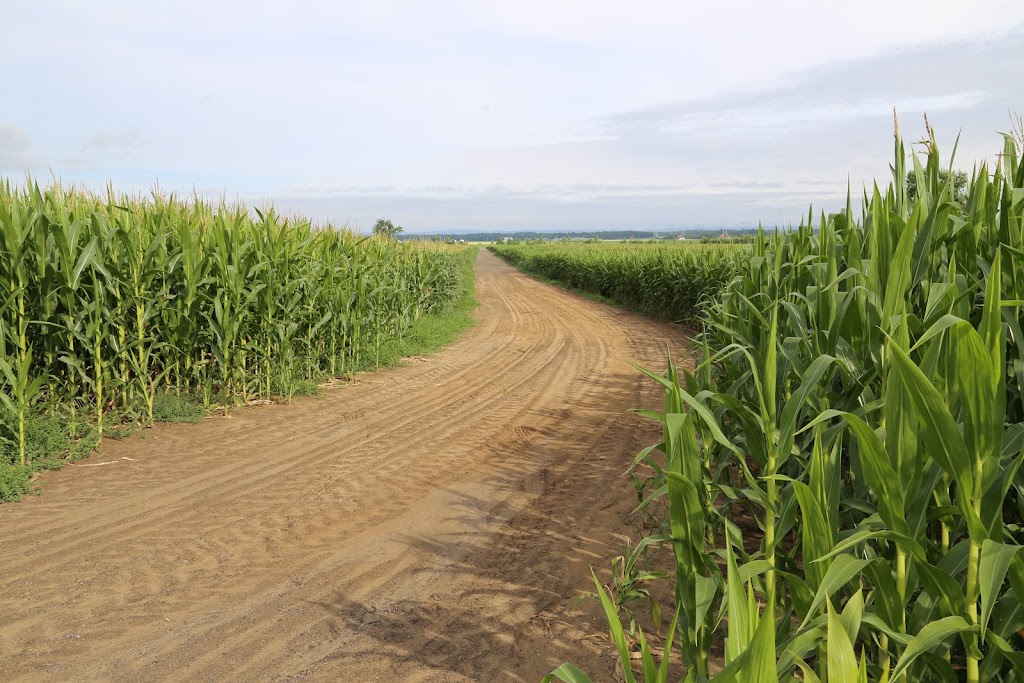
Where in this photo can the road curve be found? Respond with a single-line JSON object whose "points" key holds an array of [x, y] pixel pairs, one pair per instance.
{"points": [[434, 522]]}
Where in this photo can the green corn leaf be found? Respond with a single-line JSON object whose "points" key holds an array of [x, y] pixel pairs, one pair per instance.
{"points": [[808, 384], [842, 660], [880, 475], [567, 673], [942, 588], [939, 432], [888, 604], [771, 368], [705, 589], [1012, 653], [662, 676], [884, 534], [817, 534], [761, 662], [687, 519], [642, 455], [992, 567], [872, 620], [928, 638], [85, 257], [741, 628], [618, 636], [940, 668], [808, 673], [1007, 615], [705, 414], [852, 614], [842, 570], [898, 277], [646, 657]]}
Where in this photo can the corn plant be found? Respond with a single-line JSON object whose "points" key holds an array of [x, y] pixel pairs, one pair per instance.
{"points": [[858, 396], [110, 299], [668, 280]]}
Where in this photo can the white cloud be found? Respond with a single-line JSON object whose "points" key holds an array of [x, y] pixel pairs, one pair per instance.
{"points": [[120, 139], [14, 148], [762, 119]]}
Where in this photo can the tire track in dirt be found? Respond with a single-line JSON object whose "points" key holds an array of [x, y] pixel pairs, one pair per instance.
{"points": [[434, 522], [375, 430], [290, 433]]}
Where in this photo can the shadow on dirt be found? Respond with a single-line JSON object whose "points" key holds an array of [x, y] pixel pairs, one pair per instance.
{"points": [[531, 567]]}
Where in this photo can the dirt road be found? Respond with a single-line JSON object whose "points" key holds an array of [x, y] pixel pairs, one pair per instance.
{"points": [[434, 522]]}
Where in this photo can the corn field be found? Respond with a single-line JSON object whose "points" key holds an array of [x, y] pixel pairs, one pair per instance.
{"points": [[669, 280], [839, 481], [111, 300]]}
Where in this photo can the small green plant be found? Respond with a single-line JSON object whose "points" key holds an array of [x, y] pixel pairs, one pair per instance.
{"points": [[170, 407], [305, 387], [51, 441], [15, 481]]}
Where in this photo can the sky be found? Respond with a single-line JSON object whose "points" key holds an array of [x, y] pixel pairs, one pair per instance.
{"points": [[526, 115]]}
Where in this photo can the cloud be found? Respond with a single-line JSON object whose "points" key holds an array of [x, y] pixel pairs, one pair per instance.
{"points": [[957, 76], [112, 140], [822, 128], [767, 118], [735, 159], [14, 148], [739, 111]]}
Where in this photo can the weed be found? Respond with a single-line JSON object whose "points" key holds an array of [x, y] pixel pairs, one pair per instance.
{"points": [[171, 407]]}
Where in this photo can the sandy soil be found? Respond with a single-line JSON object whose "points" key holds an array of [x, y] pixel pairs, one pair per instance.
{"points": [[434, 522]]}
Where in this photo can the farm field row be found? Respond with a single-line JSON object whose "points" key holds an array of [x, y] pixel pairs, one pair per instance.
{"points": [[837, 493], [666, 280], [119, 310]]}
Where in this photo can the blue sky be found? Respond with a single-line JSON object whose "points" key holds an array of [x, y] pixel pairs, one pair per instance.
{"points": [[502, 115]]}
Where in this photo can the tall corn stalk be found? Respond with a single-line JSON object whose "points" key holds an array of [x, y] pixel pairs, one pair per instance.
{"points": [[109, 300], [858, 395]]}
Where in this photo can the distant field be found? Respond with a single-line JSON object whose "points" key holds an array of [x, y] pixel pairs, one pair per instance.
{"points": [[667, 279]]}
